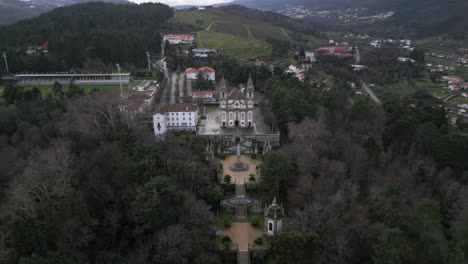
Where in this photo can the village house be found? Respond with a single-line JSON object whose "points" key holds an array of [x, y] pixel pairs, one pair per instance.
{"points": [[203, 96], [310, 56], [204, 53], [208, 73], [404, 59], [141, 98], [259, 63], [175, 117], [175, 39]]}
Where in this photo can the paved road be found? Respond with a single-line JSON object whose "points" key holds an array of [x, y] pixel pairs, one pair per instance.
{"points": [[370, 92], [358, 56], [188, 88], [181, 92], [173, 88]]}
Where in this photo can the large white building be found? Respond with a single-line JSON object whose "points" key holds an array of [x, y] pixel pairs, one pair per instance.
{"points": [[175, 117], [236, 106], [175, 39], [208, 73]]}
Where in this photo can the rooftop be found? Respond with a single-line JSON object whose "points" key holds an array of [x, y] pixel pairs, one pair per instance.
{"points": [[176, 108]]}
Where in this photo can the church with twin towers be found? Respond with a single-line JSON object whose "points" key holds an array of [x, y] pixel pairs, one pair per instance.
{"points": [[237, 105]]}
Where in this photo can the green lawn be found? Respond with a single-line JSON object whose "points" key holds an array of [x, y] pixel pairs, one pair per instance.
{"points": [[47, 89], [315, 42]]}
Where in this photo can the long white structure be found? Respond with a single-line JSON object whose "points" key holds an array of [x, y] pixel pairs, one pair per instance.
{"points": [[175, 117], [77, 78]]}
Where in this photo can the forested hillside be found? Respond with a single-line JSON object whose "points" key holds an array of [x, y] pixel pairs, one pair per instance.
{"points": [[80, 182], [99, 33], [15, 10]]}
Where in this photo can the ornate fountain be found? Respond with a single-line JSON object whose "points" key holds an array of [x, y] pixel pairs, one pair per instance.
{"points": [[239, 165]]}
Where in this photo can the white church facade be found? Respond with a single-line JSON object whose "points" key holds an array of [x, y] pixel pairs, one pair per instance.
{"points": [[237, 106]]}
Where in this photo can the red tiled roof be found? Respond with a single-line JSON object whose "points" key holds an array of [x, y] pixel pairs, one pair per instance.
{"points": [[201, 92], [236, 94], [206, 69], [179, 36], [191, 70]]}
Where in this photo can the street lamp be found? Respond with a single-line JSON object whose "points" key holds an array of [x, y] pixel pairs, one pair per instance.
{"points": [[120, 78], [6, 63], [149, 61]]}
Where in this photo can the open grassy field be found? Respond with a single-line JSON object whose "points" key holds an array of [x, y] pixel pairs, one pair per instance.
{"points": [[407, 87], [442, 45]]}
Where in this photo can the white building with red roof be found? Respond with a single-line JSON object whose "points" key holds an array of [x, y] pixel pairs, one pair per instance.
{"points": [[175, 39], [208, 73]]}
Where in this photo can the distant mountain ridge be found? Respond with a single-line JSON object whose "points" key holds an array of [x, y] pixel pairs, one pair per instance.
{"points": [[420, 17], [15, 10]]}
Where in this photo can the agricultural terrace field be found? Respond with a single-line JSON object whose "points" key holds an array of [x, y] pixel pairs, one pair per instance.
{"points": [[229, 45], [47, 89], [219, 20], [407, 87]]}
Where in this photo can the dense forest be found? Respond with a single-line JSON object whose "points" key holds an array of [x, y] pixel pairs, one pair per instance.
{"points": [[94, 36], [80, 182], [376, 184]]}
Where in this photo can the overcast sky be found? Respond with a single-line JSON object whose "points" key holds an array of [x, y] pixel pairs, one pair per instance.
{"points": [[184, 2]]}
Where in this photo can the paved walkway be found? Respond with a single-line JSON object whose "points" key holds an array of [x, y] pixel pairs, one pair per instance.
{"points": [[242, 234]]}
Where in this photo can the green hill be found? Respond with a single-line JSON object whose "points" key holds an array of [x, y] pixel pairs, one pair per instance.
{"points": [[239, 31]]}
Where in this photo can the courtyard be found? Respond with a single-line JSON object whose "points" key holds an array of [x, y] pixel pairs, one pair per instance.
{"points": [[241, 176]]}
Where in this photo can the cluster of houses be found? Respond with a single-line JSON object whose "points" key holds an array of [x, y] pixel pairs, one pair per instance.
{"points": [[405, 44], [462, 109], [140, 98], [298, 72], [439, 68], [455, 83]]}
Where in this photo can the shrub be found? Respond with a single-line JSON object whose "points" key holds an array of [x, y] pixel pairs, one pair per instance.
{"points": [[252, 177], [258, 241], [255, 221], [227, 179]]}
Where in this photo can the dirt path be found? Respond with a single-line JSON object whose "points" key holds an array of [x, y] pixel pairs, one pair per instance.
{"points": [[243, 234], [239, 176]]}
